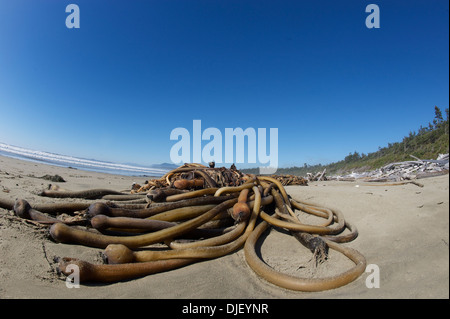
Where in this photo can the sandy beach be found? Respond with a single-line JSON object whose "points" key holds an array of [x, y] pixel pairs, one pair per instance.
{"points": [[404, 230]]}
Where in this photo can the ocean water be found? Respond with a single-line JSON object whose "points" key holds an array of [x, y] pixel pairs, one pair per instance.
{"points": [[83, 164]]}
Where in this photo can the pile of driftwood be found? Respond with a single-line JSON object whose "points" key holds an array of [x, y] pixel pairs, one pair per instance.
{"points": [[183, 223], [320, 176], [400, 171]]}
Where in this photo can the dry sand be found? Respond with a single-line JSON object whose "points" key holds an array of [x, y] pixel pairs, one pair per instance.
{"points": [[404, 230]]}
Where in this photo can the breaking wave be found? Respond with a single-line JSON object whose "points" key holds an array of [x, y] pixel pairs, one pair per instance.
{"points": [[79, 163]]}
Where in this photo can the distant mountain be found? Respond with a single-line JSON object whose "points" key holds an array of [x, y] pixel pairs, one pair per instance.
{"points": [[168, 166]]}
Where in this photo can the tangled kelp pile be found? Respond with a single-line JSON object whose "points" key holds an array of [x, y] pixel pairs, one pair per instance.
{"points": [[201, 176], [197, 216]]}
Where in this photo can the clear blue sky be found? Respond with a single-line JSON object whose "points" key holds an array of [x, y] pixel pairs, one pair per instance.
{"points": [[115, 88]]}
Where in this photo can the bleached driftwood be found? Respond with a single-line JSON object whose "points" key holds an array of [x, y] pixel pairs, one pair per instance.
{"points": [[400, 171], [320, 176]]}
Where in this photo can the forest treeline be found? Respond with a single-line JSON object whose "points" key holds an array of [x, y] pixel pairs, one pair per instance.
{"points": [[425, 143]]}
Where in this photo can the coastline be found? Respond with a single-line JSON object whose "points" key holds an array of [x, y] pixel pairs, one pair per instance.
{"points": [[404, 230], [84, 164]]}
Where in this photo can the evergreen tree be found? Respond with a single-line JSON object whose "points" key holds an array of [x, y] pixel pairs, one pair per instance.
{"points": [[437, 116]]}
